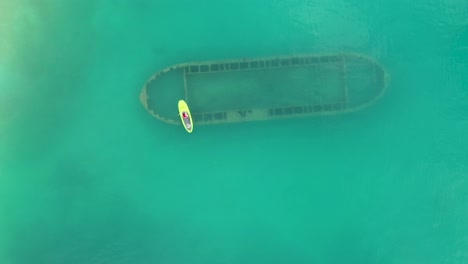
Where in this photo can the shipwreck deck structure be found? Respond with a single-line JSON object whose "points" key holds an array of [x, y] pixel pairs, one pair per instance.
{"points": [[265, 88]]}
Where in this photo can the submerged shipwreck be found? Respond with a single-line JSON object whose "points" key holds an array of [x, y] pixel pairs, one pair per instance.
{"points": [[269, 88]]}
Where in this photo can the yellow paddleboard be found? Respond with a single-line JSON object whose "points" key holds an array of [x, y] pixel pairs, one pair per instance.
{"points": [[185, 116]]}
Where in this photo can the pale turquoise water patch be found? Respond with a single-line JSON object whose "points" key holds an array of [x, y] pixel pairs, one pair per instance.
{"points": [[87, 176]]}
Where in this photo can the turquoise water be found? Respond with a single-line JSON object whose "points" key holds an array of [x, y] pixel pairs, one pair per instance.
{"points": [[87, 176]]}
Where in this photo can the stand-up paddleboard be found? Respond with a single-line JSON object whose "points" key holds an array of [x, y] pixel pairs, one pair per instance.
{"points": [[185, 116]]}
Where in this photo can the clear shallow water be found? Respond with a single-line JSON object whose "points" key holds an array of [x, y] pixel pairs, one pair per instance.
{"points": [[87, 176]]}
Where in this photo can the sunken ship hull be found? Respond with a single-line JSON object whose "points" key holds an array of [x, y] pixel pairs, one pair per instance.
{"points": [[257, 89]]}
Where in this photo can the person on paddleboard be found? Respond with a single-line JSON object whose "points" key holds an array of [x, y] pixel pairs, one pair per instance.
{"points": [[186, 120]]}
